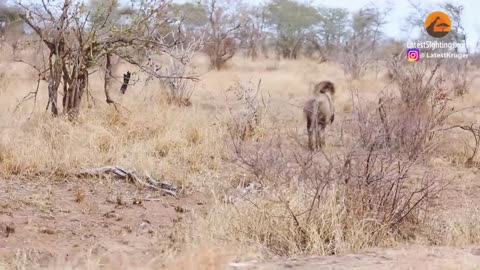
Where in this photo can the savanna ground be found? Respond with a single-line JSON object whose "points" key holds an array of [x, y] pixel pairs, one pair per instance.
{"points": [[49, 218]]}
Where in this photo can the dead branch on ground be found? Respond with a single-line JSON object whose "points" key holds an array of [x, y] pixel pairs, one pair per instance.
{"points": [[131, 175]]}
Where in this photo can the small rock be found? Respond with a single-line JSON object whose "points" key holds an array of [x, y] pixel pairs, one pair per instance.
{"points": [[120, 201], [111, 214], [137, 202], [128, 229], [180, 209], [9, 229], [79, 196], [47, 231]]}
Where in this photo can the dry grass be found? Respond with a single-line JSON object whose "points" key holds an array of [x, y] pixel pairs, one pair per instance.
{"points": [[188, 146], [154, 138]]}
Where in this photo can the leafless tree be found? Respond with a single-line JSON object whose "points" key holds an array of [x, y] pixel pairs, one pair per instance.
{"points": [[253, 33], [222, 33], [366, 33], [77, 40]]}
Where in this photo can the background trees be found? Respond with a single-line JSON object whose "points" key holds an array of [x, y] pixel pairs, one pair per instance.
{"points": [[78, 36], [331, 32], [11, 27], [287, 28], [290, 23], [217, 23]]}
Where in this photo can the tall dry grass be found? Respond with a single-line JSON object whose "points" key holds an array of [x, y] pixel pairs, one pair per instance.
{"points": [[146, 134]]}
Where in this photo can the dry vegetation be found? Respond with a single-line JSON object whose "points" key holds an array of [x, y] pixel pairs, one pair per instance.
{"points": [[303, 203], [400, 166]]}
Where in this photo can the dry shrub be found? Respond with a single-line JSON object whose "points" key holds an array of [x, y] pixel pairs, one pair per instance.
{"points": [[468, 154], [326, 203], [250, 111], [354, 64], [408, 122], [9, 165], [459, 153], [178, 83], [458, 228], [370, 191], [174, 72], [458, 76], [421, 85]]}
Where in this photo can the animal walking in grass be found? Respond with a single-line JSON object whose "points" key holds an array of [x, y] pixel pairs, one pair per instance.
{"points": [[319, 112]]}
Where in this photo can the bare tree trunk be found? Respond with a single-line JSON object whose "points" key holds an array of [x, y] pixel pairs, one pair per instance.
{"points": [[296, 48], [108, 78], [52, 97], [53, 84], [265, 49], [75, 92]]}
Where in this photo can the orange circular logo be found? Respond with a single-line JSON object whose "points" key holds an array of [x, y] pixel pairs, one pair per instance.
{"points": [[438, 24]]}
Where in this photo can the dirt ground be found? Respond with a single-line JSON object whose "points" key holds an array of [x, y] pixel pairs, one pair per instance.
{"points": [[47, 222], [411, 257], [50, 224]]}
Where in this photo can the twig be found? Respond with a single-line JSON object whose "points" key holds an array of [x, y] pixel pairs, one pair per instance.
{"points": [[32, 95], [476, 136], [40, 72], [148, 199]]}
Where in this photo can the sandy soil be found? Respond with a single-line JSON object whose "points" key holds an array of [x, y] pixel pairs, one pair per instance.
{"points": [[47, 221], [411, 257]]}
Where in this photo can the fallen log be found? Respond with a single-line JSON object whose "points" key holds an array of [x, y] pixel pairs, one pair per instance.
{"points": [[130, 175]]}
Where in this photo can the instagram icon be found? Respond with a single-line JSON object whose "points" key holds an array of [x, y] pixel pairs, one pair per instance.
{"points": [[413, 55]]}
